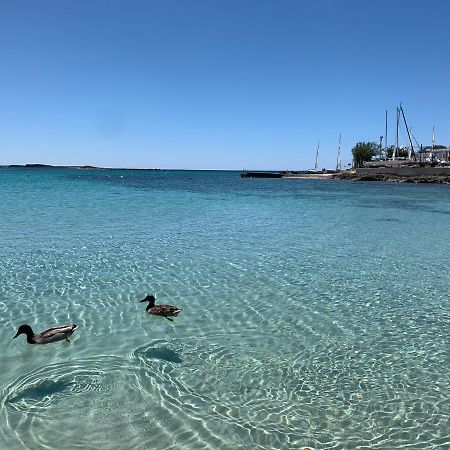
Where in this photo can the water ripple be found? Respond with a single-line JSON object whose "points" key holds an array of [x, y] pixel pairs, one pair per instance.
{"points": [[89, 392]]}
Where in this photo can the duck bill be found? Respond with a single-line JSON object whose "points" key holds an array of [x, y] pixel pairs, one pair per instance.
{"points": [[17, 334], [144, 300]]}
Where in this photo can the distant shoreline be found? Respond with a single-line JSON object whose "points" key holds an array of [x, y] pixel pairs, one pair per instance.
{"points": [[81, 167], [89, 167], [350, 175], [401, 175]]}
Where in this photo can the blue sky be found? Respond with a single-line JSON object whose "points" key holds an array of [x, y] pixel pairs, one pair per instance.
{"points": [[217, 84]]}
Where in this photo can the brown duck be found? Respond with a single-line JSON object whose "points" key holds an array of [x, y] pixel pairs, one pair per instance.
{"points": [[51, 335], [160, 310]]}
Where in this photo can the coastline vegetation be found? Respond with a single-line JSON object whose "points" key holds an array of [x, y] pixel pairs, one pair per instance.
{"points": [[364, 151]]}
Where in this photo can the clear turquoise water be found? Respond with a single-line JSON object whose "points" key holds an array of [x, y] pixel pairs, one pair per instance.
{"points": [[315, 313]]}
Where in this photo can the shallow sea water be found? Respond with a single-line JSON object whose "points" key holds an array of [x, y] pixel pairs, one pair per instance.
{"points": [[316, 313]]}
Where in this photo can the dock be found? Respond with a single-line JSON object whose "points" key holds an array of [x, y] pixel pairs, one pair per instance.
{"points": [[261, 174]]}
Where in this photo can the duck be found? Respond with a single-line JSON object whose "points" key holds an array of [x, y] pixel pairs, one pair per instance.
{"points": [[160, 310], [46, 337]]}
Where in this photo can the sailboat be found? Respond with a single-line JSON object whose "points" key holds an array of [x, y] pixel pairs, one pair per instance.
{"points": [[395, 153], [315, 170]]}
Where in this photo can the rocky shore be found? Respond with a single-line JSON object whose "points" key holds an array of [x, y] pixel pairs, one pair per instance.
{"points": [[350, 175]]}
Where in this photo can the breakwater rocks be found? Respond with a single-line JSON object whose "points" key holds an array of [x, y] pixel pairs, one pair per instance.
{"points": [[439, 179]]}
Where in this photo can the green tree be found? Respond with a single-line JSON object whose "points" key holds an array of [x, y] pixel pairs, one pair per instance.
{"points": [[364, 151], [400, 153]]}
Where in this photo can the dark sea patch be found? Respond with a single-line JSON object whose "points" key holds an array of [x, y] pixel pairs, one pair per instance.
{"points": [[389, 219], [401, 204], [162, 353], [40, 390]]}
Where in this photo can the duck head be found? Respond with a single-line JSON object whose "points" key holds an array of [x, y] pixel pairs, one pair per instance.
{"points": [[24, 329], [150, 299]]}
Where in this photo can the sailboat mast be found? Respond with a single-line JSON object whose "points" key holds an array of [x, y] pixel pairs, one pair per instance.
{"points": [[396, 139], [411, 148], [385, 138], [338, 154], [317, 157]]}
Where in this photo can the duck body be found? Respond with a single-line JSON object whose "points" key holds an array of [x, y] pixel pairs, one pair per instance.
{"points": [[46, 337], [166, 311]]}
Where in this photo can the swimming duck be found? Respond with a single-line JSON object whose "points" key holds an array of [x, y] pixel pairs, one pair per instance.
{"points": [[160, 310], [51, 335]]}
